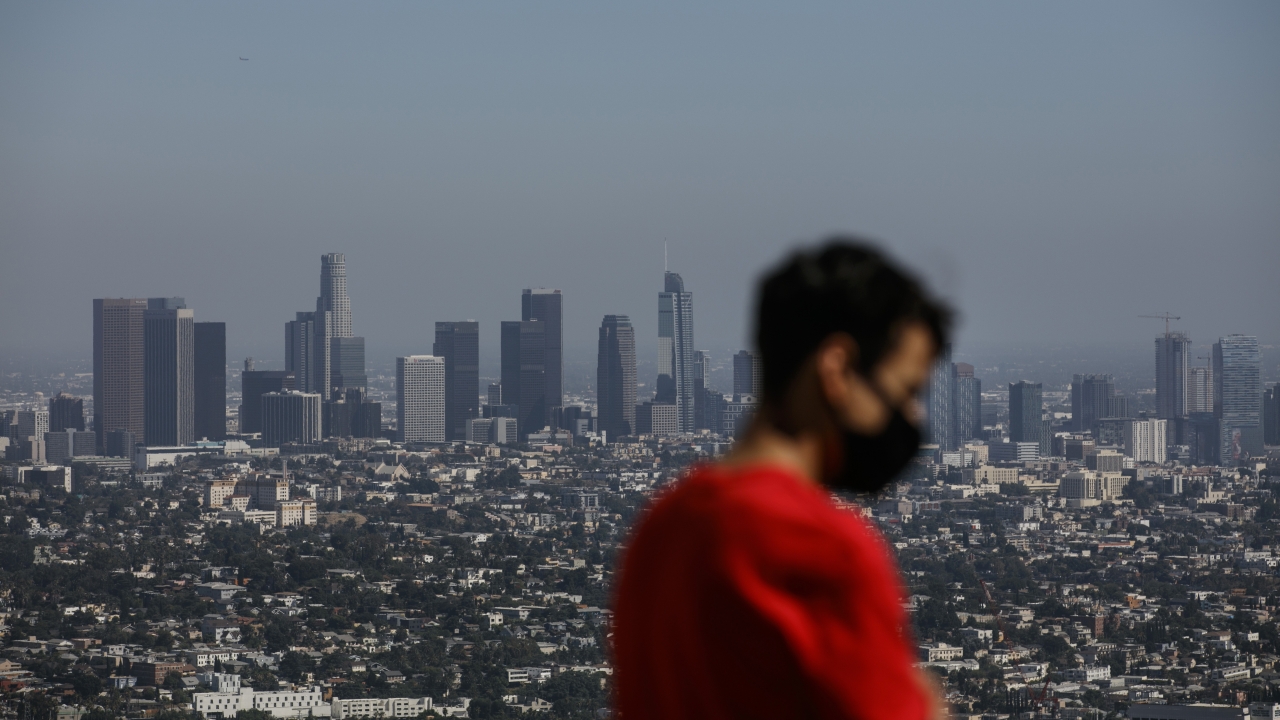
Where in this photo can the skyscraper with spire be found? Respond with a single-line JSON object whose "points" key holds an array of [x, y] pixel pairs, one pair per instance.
{"points": [[319, 346], [675, 350]]}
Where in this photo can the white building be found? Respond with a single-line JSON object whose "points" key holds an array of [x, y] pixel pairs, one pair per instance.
{"points": [[420, 398], [492, 430], [1088, 673], [381, 707], [229, 698], [1144, 440], [295, 512], [940, 652]]}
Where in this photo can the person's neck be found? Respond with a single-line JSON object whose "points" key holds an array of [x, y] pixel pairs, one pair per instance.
{"points": [[765, 444]]}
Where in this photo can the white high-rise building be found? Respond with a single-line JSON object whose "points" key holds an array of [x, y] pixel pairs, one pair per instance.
{"points": [[333, 294], [1144, 440], [1199, 390], [420, 395]]}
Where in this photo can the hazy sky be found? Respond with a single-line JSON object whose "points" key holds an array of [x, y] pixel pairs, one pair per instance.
{"points": [[1056, 170]]}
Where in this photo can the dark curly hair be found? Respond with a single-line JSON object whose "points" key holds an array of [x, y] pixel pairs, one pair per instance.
{"points": [[843, 285]]}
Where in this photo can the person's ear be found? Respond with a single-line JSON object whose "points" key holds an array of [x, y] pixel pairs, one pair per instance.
{"points": [[834, 359]]}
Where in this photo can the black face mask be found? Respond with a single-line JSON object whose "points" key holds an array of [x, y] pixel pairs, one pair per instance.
{"points": [[871, 462]]}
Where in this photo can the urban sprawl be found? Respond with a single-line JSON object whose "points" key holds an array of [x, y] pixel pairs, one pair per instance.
{"points": [[319, 542]]}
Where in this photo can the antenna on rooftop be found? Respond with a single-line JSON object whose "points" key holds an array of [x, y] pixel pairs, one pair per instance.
{"points": [[664, 255]]}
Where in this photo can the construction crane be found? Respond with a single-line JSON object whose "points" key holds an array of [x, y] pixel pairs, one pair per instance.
{"points": [[1166, 317], [991, 605]]}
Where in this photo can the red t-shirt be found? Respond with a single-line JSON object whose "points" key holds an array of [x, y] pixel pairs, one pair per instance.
{"points": [[746, 593]]}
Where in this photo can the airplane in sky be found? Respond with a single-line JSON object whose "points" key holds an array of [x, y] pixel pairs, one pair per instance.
{"points": [[246, 59]]}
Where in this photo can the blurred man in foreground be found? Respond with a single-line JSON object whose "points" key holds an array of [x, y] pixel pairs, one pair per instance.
{"points": [[745, 592]]}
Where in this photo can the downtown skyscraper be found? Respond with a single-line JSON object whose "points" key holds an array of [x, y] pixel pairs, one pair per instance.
{"points": [[210, 371], [459, 344], [547, 306], [320, 349], [1026, 410], [118, 370], [1173, 350], [524, 373], [169, 389], [420, 399], [1237, 397], [616, 377], [675, 350]]}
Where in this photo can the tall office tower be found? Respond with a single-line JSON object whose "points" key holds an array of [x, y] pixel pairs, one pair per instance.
{"points": [[495, 393], [253, 385], [211, 380], [1237, 396], [420, 395], [291, 417], [701, 378], [118, 367], [346, 364], [1172, 352], [966, 404], [748, 374], [66, 412], [1199, 390], [616, 377], [1026, 408], [938, 402], [675, 349], [1092, 398], [169, 372], [333, 294], [547, 307], [299, 350], [530, 393], [1271, 416], [1146, 440], [459, 344]]}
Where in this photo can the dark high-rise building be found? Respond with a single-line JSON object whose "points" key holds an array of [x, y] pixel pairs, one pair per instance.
{"points": [[346, 364], [939, 402], [1092, 398], [1173, 350], [701, 379], [1237, 397], [966, 404], [119, 443], [211, 380], [291, 417], [253, 385], [675, 350], [748, 375], [616, 377], [299, 350], [459, 344], [169, 372], [495, 393], [66, 412], [118, 350], [1026, 410], [547, 307], [524, 373], [1270, 416], [366, 420]]}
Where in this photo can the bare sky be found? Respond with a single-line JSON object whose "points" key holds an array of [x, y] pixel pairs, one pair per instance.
{"points": [[1056, 170]]}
